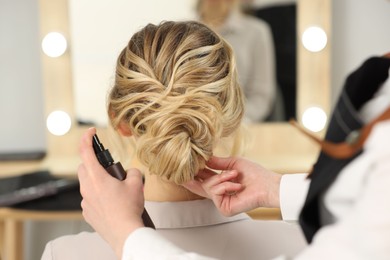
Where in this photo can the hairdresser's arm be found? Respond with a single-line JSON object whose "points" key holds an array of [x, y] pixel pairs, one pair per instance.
{"points": [[114, 208], [252, 185], [104, 197]]}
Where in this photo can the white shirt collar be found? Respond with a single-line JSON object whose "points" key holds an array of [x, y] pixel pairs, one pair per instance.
{"points": [[185, 214]]}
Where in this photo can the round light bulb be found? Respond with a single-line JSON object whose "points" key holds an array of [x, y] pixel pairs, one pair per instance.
{"points": [[54, 44], [314, 119], [58, 122], [314, 39]]}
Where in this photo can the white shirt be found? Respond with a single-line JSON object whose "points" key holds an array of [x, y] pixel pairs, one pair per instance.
{"points": [[194, 226], [197, 226]]}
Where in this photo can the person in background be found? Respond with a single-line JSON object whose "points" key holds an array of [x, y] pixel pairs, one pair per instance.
{"points": [[281, 16], [176, 94], [342, 205], [251, 40]]}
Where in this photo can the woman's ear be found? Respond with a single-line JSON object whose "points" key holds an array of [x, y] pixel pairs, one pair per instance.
{"points": [[124, 129]]}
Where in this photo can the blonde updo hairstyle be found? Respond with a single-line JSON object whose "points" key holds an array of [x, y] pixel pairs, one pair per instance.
{"points": [[176, 90]]}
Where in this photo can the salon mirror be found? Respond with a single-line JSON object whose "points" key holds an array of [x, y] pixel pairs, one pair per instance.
{"points": [[98, 32], [110, 24], [267, 139]]}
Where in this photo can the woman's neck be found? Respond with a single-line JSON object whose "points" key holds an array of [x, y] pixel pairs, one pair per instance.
{"points": [[157, 189]]}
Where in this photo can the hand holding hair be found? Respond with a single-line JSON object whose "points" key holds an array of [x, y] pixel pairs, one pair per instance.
{"points": [[241, 186]]}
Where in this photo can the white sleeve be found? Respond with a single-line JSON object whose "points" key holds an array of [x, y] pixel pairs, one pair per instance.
{"points": [[363, 232], [48, 252], [146, 243], [293, 191]]}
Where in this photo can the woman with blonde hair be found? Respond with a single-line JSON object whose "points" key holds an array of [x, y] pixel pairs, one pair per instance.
{"points": [[176, 94]]}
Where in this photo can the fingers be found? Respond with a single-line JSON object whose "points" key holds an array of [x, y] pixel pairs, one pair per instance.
{"points": [[134, 173], [226, 188], [134, 178], [219, 163], [226, 176], [214, 184], [222, 184], [90, 173], [86, 139], [205, 174], [81, 172], [87, 153], [85, 206], [195, 187]]}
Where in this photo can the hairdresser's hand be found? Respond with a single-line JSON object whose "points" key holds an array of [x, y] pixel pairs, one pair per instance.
{"points": [[243, 185], [112, 207]]}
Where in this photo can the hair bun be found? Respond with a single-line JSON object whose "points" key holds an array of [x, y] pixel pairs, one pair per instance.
{"points": [[179, 139]]}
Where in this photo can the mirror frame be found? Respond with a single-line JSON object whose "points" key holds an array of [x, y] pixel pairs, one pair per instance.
{"points": [[277, 146]]}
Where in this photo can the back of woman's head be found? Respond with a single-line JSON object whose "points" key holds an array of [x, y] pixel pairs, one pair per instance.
{"points": [[176, 91]]}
